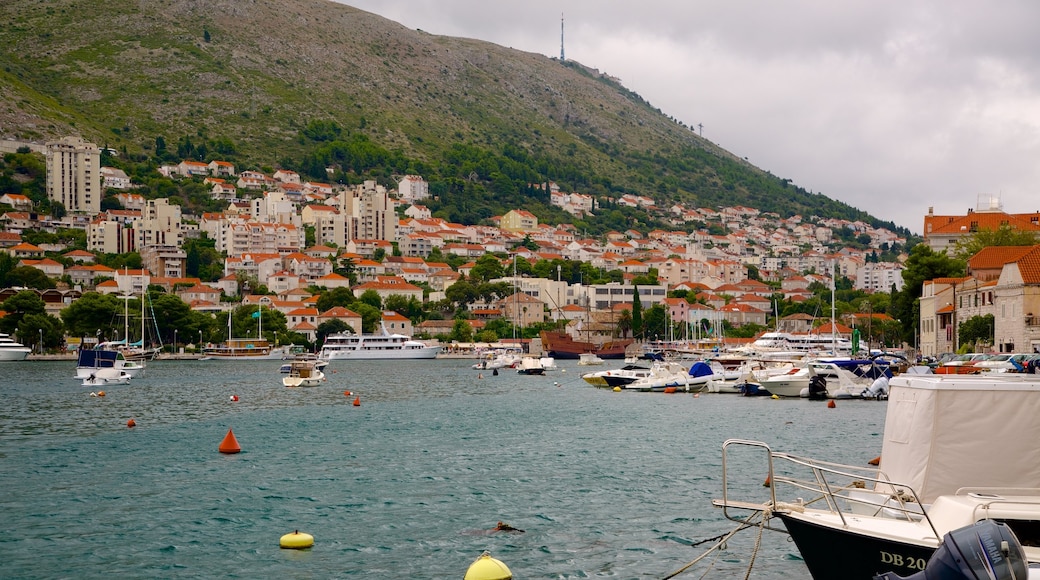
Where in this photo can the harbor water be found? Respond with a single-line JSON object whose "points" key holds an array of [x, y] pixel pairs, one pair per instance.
{"points": [[406, 484]]}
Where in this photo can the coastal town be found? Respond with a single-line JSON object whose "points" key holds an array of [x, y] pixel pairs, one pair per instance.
{"points": [[285, 242]]}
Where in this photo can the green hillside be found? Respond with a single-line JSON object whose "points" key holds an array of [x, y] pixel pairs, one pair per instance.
{"points": [[309, 84]]}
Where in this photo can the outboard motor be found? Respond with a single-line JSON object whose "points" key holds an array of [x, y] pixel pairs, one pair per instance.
{"points": [[986, 550], [877, 390], [817, 388]]}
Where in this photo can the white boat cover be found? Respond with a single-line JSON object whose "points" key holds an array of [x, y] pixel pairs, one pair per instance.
{"points": [[945, 432]]}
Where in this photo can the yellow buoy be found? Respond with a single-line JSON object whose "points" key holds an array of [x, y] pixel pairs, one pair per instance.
{"points": [[617, 389], [296, 541], [488, 568]]}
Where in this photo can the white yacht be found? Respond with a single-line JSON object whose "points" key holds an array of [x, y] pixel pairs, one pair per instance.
{"points": [[375, 346], [11, 350]]}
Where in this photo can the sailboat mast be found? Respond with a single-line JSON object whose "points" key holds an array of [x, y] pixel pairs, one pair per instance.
{"points": [[834, 337]]}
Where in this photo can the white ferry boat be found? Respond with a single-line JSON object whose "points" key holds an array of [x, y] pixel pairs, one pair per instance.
{"points": [[801, 344], [375, 346]]}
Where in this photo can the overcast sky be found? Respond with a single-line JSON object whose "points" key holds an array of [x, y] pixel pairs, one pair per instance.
{"points": [[890, 106]]}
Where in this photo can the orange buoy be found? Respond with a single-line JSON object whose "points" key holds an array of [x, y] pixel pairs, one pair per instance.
{"points": [[101, 393], [357, 401], [347, 393], [229, 444], [131, 423], [669, 390], [234, 398], [768, 482], [875, 461], [831, 404]]}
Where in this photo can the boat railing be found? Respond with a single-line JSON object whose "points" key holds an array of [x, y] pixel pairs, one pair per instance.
{"points": [[845, 490]]}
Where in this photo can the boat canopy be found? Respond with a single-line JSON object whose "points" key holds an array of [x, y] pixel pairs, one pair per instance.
{"points": [[945, 432], [701, 369], [97, 358]]}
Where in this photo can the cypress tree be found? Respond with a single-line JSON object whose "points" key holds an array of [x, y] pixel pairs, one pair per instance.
{"points": [[637, 315]]}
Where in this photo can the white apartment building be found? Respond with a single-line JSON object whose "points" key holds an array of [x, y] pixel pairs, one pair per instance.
{"points": [[74, 175], [369, 213], [879, 277], [413, 188]]}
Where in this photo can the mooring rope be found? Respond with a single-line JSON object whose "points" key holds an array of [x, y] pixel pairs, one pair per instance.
{"points": [[720, 544]]}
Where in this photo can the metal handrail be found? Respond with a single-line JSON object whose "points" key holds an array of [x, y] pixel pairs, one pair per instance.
{"points": [[823, 472]]}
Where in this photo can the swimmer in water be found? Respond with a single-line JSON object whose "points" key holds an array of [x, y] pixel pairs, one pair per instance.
{"points": [[504, 527]]}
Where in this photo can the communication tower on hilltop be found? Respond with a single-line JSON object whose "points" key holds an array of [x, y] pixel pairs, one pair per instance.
{"points": [[562, 57]]}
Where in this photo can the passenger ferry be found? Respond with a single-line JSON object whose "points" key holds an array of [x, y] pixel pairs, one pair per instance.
{"points": [[375, 346], [802, 343]]}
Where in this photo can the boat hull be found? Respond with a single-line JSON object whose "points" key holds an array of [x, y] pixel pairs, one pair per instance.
{"points": [[839, 554], [428, 352], [14, 354], [560, 345]]}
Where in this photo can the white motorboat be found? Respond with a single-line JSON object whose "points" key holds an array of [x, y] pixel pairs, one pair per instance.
{"points": [[93, 360], [375, 347], [617, 377], [318, 363], [530, 365], [663, 376], [303, 373], [589, 359], [499, 359], [837, 382], [11, 350], [957, 449], [106, 376]]}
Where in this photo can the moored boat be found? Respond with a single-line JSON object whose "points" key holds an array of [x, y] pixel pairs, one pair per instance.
{"points": [[90, 361], [245, 349], [382, 346], [956, 450], [303, 373], [561, 345], [530, 365], [11, 350]]}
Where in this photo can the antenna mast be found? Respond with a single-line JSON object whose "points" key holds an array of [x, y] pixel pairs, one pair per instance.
{"points": [[562, 57]]}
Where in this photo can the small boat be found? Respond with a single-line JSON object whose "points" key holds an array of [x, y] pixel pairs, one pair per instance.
{"points": [[617, 377], [106, 376], [956, 451], [92, 360], [589, 359], [303, 373], [530, 365], [499, 359], [548, 363], [663, 375], [318, 363]]}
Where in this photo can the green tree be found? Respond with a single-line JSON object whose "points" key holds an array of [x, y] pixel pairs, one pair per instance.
{"points": [[1005, 235], [461, 331], [19, 306], [624, 324], [336, 297], [93, 314], [372, 298], [29, 330], [923, 264], [488, 267], [370, 317], [976, 330], [637, 314], [29, 277], [333, 326]]}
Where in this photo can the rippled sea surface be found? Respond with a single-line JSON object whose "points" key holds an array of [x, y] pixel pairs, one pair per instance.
{"points": [[406, 485]]}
